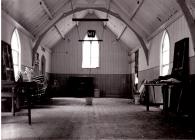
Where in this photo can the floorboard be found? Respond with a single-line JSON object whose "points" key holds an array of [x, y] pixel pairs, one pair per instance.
{"points": [[107, 118]]}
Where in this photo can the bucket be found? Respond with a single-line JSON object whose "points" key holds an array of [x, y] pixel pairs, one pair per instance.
{"points": [[96, 93], [89, 100], [137, 99]]}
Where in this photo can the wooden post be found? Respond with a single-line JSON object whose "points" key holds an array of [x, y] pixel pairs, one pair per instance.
{"points": [[13, 101]]}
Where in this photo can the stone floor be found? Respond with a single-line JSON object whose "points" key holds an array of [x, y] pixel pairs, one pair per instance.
{"points": [[107, 118]]}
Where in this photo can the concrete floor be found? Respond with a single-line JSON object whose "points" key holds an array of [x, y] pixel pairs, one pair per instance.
{"points": [[107, 118]]}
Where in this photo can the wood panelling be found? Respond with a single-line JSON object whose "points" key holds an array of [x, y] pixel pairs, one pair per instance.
{"points": [[67, 54], [110, 85]]}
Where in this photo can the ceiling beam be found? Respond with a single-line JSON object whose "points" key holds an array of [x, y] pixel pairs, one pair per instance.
{"points": [[65, 14], [99, 40], [119, 37], [77, 27], [119, 41], [165, 25], [189, 19], [135, 28], [43, 5], [134, 24], [90, 19], [119, 5], [46, 9], [59, 32], [139, 4], [58, 14], [88, 5], [105, 23]]}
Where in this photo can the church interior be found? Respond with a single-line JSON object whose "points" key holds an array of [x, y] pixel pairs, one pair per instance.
{"points": [[97, 69]]}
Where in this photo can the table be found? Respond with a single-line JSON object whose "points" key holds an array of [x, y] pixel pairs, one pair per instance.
{"points": [[13, 90], [166, 91], [28, 89], [9, 92]]}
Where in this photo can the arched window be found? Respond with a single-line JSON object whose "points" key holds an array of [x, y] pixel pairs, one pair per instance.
{"points": [[164, 60], [43, 61], [16, 52], [90, 53]]}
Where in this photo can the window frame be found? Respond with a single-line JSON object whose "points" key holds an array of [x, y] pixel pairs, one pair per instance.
{"points": [[162, 52], [88, 38]]}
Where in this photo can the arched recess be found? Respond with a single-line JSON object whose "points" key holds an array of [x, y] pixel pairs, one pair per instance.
{"points": [[189, 19], [63, 15], [43, 64]]}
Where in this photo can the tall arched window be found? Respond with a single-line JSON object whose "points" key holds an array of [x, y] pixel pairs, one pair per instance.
{"points": [[165, 52], [43, 61], [16, 52], [90, 53]]}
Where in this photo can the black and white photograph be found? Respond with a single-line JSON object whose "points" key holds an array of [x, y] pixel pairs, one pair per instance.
{"points": [[97, 69]]}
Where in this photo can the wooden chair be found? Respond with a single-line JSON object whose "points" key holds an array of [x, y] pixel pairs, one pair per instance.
{"points": [[41, 87]]}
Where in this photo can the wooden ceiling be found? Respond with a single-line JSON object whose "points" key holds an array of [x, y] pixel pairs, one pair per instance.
{"points": [[51, 20]]}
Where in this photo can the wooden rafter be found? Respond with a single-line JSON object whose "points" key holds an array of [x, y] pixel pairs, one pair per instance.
{"points": [[90, 19], [73, 13], [126, 14], [119, 37], [46, 9], [55, 20], [165, 25], [59, 32], [43, 5], [137, 9]]}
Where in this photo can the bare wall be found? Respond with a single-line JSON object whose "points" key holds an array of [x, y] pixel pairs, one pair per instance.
{"points": [[177, 31], [7, 28]]}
